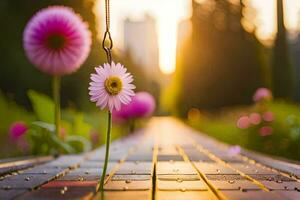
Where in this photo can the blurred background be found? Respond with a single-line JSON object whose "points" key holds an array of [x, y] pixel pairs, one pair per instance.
{"points": [[202, 60]]}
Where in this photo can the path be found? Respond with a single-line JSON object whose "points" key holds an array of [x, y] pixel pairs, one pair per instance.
{"points": [[165, 161]]}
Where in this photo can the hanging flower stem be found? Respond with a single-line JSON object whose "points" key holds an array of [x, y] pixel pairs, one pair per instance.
{"points": [[106, 151], [56, 96]]}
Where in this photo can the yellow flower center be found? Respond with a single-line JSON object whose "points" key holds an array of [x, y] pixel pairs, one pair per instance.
{"points": [[113, 85]]}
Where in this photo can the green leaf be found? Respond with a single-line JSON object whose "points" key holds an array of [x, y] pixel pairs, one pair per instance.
{"points": [[80, 127], [42, 105], [45, 141], [79, 142], [65, 146], [49, 127]]}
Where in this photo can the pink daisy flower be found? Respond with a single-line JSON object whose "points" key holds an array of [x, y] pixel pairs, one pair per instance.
{"points": [[111, 86], [56, 40]]}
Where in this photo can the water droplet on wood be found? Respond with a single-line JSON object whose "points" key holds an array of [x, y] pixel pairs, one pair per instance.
{"points": [[179, 180], [7, 187], [128, 181]]}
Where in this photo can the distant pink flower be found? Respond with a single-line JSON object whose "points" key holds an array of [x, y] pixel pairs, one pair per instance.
{"points": [[63, 132], [56, 40], [268, 116], [243, 122], [95, 137], [265, 131], [23, 145], [255, 118], [142, 105], [262, 94], [111, 86], [17, 130], [234, 150], [122, 115]]}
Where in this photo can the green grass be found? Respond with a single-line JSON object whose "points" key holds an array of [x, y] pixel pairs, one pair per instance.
{"points": [[76, 123], [284, 141]]}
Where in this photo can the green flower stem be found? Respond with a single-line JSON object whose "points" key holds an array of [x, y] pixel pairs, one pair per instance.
{"points": [[56, 96], [106, 151]]}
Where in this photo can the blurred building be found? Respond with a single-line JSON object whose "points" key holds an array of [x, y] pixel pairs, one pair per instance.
{"points": [[140, 43]]}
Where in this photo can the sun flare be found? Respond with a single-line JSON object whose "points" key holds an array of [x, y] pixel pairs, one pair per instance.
{"points": [[169, 13]]}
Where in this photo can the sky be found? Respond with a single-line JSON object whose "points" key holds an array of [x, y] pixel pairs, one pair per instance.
{"points": [[266, 17], [168, 14]]}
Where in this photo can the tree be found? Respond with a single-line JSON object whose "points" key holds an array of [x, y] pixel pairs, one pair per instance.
{"points": [[282, 82], [219, 65]]}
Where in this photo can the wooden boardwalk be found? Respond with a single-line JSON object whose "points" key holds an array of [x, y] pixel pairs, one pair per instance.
{"points": [[165, 161]]}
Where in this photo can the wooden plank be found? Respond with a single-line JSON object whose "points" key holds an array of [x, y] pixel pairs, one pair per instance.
{"points": [[168, 160]]}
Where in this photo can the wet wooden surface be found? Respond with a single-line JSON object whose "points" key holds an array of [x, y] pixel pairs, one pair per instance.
{"points": [[165, 161]]}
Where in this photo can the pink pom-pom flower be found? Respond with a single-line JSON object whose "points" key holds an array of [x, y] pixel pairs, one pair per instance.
{"points": [[122, 115], [17, 130], [111, 86], [56, 40], [265, 131], [142, 105], [255, 118], [243, 122], [262, 94], [268, 116]]}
